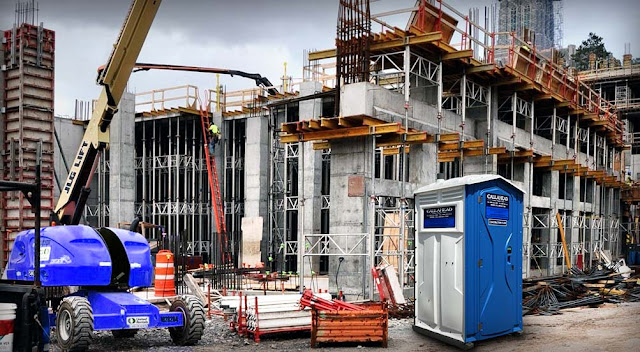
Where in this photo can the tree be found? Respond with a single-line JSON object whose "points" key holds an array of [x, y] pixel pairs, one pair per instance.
{"points": [[593, 44]]}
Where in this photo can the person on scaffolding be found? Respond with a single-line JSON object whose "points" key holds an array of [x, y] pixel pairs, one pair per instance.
{"points": [[214, 137]]}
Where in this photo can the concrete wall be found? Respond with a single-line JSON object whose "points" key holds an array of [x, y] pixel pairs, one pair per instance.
{"points": [[256, 177], [349, 157], [122, 178]]}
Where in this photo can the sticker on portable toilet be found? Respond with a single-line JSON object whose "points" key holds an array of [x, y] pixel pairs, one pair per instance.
{"points": [[137, 322], [45, 254], [439, 217], [497, 209]]}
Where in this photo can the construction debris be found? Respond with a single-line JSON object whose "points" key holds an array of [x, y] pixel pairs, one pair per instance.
{"points": [[309, 299], [549, 295], [389, 289]]}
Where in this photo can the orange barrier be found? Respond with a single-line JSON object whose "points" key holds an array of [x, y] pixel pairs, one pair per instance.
{"points": [[165, 274]]}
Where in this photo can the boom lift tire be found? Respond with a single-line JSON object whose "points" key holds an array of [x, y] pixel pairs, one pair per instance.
{"points": [[193, 321], [124, 333], [74, 324]]}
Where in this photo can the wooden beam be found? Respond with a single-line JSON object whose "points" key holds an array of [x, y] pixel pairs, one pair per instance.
{"points": [[449, 137], [478, 143], [515, 80], [383, 44], [322, 54], [449, 154], [564, 242], [449, 146], [417, 137], [371, 121], [314, 125], [497, 150], [543, 97], [344, 122], [474, 152], [460, 54], [331, 123], [289, 127], [341, 133], [481, 69]]}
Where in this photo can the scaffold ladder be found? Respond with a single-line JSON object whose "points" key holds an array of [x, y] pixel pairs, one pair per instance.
{"points": [[214, 186]]}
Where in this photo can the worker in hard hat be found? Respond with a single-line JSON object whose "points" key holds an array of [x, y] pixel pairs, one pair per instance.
{"points": [[214, 137]]}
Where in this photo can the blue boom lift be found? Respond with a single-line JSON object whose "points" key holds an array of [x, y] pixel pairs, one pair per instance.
{"points": [[102, 263]]}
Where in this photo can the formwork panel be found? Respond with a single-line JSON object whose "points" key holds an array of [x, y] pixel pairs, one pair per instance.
{"points": [[28, 53]]}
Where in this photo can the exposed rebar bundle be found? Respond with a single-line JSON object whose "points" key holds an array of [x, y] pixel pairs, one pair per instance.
{"points": [[353, 42]]}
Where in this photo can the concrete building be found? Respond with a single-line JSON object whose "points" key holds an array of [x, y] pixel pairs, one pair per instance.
{"points": [[333, 195], [319, 178]]}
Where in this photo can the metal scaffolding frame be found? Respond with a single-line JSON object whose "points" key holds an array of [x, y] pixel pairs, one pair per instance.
{"points": [[171, 182]]}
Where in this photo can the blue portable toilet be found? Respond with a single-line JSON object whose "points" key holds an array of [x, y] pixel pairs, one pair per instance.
{"points": [[468, 259]]}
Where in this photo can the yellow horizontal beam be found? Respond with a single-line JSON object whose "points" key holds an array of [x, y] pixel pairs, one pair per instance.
{"points": [[460, 54], [382, 45], [341, 133]]}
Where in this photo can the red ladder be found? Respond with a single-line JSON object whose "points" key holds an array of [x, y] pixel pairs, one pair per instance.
{"points": [[214, 186]]}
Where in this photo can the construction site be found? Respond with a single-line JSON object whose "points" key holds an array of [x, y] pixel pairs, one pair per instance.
{"points": [[440, 178]]}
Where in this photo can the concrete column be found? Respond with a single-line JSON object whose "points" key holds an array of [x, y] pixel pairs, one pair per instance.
{"points": [[122, 178], [310, 174], [349, 213], [256, 183]]}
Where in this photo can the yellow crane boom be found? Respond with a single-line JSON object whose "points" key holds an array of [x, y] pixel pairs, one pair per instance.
{"points": [[113, 79]]}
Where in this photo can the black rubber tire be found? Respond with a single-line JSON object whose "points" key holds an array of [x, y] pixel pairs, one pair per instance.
{"points": [[124, 333], [193, 321], [74, 324]]}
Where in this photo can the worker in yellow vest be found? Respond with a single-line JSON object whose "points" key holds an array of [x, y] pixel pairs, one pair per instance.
{"points": [[214, 137]]}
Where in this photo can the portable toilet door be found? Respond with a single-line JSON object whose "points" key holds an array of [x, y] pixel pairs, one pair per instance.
{"points": [[468, 259]]}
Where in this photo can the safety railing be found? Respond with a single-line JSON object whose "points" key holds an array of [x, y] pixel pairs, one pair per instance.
{"points": [[185, 96]]}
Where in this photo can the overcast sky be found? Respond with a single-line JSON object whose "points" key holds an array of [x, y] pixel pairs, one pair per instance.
{"points": [[250, 35]]}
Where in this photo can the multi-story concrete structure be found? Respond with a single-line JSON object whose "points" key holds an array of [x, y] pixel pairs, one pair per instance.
{"points": [[27, 61], [321, 192]]}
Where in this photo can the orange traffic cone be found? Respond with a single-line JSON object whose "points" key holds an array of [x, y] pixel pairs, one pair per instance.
{"points": [[165, 274]]}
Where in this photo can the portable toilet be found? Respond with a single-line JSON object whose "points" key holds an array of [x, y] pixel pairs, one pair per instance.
{"points": [[468, 259]]}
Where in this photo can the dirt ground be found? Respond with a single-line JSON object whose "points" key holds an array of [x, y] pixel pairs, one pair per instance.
{"points": [[607, 328]]}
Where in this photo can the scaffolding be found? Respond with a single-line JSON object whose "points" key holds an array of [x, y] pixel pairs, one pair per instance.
{"points": [[171, 173], [538, 22]]}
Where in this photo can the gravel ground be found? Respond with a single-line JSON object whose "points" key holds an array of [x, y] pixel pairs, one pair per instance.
{"points": [[608, 328]]}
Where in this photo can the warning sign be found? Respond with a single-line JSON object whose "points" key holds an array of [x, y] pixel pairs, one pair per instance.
{"points": [[137, 322], [497, 209], [440, 217]]}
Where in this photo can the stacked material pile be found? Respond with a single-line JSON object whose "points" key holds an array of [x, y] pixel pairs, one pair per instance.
{"points": [[276, 313], [258, 315], [550, 294]]}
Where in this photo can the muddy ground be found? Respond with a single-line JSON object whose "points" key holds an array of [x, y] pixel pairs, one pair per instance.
{"points": [[607, 328]]}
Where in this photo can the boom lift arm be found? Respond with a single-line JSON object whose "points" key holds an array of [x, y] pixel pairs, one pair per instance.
{"points": [[260, 80], [113, 79]]}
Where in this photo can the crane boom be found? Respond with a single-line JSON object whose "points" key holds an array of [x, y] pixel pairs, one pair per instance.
{"points": [[113, 80], [260, 80]]}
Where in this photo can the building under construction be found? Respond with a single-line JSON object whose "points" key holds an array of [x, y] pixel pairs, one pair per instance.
{"points": [[318, 178]]}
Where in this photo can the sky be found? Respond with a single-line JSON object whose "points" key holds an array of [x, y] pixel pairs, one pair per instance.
{"points": [[250, 35]]}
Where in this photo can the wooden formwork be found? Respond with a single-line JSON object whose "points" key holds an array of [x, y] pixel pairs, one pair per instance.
{"points": [[369, 325]]}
